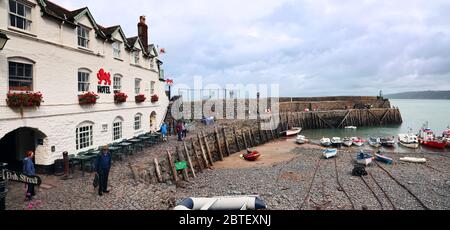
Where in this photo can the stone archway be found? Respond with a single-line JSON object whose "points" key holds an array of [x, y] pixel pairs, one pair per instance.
{"points": [[153, 121], [16, 143]]}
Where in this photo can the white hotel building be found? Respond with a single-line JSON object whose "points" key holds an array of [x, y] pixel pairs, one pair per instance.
{"points": [[59, 53]]}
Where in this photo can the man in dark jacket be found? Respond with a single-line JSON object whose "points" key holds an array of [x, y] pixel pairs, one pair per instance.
{"points": [[28, 169], [102, 166]]}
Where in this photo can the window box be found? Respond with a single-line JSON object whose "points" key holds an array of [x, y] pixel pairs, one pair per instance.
{"points": [[155, 98], [20, 100], [88, 98], [140, 98], [120, 97]]}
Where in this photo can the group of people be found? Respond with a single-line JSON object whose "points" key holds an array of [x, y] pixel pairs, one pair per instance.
{"points": [[180, 129]]}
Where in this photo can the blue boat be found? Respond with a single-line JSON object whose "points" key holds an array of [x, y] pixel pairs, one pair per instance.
{"points": [[364, 158], [384, 159]]}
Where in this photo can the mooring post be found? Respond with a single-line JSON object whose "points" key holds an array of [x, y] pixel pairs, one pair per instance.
{"points": [[191, 166], [218, 143], [245, 140], [236, 139]]}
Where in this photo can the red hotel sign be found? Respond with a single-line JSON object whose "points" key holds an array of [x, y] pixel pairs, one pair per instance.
{"points": [[106, 78]]}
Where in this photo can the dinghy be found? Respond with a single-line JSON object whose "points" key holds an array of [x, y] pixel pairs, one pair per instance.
{"points": [[382, 158], [251, 155], [292, 132], [347, 142], [388, 142], [301, 139], [325, 142], [329, 153], [414, 160], [364, 158], [358, 141], [409, 141], [351, 127], [336, 142], [375, 142]]}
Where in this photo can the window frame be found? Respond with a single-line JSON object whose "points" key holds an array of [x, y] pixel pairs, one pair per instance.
{"points": [[152, 87], [84, 83], [30, 79], [117, 52], [136, 57], [138, 122], [117, 87], [85, 39], [88, 138], [117, 131], [137, 86], [27, 19]]}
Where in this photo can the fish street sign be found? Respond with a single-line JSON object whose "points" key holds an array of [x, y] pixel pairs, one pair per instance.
{"points": [[20, 177]]}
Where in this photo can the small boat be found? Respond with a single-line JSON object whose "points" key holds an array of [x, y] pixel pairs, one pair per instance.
{"points": [[329, 153], [336, 142], [427, 138], [388, 141], [364, 158], [414, 160], [351, 127], [325, 142], [358, 141], [382, 158], [301, 139], [293, 132], [347, 142], [375, 142], [251, 156], [409, 141]]}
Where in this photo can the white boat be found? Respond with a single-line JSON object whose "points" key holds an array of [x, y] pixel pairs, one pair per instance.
{"points": [[351, 127], [301, 139], [336, 142], [364, 158], [414, 160], [293, 132], [329, 153], [357, 141], [325, 142], [348, 142], [375, 142], [409, 141]]}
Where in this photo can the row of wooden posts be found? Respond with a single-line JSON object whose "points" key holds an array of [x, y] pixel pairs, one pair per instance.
{"points": [[203, 150]]}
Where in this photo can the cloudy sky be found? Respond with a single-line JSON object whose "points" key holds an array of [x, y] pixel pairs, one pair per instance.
{"points": [[309, 47]]}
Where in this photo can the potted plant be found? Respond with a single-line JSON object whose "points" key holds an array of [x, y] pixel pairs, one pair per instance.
{"points": [[155, 98], [120, 97], [27, 99], [87, 98], [140, 98]]}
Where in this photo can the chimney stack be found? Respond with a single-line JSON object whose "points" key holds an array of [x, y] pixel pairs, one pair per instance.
{"points": [[143, 31]]}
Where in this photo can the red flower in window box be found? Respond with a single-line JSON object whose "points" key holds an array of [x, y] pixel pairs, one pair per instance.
{"points": [[140, 98], [120, 97], [155, 98], [88, 98], [28, 99]]}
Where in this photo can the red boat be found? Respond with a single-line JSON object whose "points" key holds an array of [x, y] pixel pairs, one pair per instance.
{"points": [[427, 138], [252, 156]]}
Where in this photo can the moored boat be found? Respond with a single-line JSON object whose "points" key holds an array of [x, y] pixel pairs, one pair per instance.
{"points": [[336, 142], [446, 136], [294, 131], [347, 142], [427, 138], [375, 142], [364, 158], [351, 127], [382, 158], [387, 141], [408, 141], [325, 142], [358, 141], [329, 153], [301, 139], [252, 156]]}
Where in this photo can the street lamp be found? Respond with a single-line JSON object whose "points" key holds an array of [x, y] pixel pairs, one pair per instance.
{"points": [[3, 40]]}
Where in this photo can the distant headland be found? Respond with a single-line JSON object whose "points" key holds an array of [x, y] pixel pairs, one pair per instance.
{"points": [[432, 95]]}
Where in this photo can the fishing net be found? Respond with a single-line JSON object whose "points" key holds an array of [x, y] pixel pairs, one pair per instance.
{"points": [[359, 170]]}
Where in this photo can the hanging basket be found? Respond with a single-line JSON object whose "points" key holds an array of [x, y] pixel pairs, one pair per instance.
{"points": [[89, 98], [22, 100], [120, 98], [140, 98], [155, 98]]}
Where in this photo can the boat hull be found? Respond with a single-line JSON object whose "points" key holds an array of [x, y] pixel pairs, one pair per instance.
{"points": [[293, 132], [410, 145], [365, 162], [384, 159], [434, 144], [348, 143], [327, 154]]}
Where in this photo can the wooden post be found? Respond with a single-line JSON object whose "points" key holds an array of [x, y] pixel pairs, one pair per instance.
{"points": [[227, 145], [172, 166], [191, 166], [199, 162], [158, 170], [181, 158], [236, 139], [218, 143], [251, 137], [205, 159], [245, 140], [208, 150]]}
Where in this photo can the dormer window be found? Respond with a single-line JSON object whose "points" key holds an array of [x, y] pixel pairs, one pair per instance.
{"points": [[116, 49], [83, 37], [19, 15], [136, 57]]}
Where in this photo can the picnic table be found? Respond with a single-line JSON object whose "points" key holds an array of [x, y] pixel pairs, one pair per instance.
{"points": [[83, 159]]}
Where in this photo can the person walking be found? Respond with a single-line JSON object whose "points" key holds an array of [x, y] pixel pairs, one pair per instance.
{"points": [[164, 131], [180, 130], [184, 130], [102, 167], [29, 170]]}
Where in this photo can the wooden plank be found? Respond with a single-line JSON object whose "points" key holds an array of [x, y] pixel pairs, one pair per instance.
{"points": [[181, 158], [245, 140], [191, 166], [385, 114], [345, 118], [172, 166], [326, 122], [197, 158], [158, 170], [219, 146], [208, 150], [370, 112], [236, 139], [205, 159], [227, 144]]}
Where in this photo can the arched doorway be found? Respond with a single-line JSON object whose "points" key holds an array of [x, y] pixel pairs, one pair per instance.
{"points": [[153, 121], [15, 144]]}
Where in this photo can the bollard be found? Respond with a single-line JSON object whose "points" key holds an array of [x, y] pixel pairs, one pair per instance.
{"points": [[3, 190], [66, 166]]}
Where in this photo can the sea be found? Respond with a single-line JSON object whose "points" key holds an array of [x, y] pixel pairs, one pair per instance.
{"points": [[415, 114]]}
